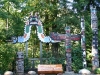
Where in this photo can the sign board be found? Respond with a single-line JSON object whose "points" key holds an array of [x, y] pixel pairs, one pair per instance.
{"points": [[50, 69]]}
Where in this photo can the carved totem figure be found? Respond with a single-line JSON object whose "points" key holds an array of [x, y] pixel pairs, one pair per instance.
{"points": [[94, 27], [20, 63], [83, 42], [68, 49]]}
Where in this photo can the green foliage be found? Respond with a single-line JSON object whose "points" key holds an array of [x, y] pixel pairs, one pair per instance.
{"points": [[89, 68], [7, 57], [77, 59], [97, 71], [26, 64], [50, 59]]}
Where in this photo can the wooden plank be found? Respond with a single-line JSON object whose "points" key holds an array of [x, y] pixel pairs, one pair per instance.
{"points": [[76, 37], [57, 36], [50, 69]]}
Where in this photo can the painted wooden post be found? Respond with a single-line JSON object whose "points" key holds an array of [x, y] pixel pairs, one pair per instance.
{"points": [[68, 49], [83, 42], [20, 63], [40, 52], [26, 49], [94, 27], [83, 71]]}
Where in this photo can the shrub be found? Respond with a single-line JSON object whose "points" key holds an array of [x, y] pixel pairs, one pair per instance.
{"points": [[97, 71]]}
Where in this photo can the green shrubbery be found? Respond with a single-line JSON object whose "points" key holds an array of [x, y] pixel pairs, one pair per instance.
{"points": [[77, 59], [7, 57], [97, 71]]}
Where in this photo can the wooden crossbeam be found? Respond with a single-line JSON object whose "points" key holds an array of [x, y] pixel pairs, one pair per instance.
{"points": [[59, 37]]}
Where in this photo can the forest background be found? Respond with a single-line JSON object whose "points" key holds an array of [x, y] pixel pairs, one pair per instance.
{"points": [[55, 15]]}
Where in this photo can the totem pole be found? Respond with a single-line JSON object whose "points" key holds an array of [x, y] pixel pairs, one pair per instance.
{"points": [[68, 49], [83, 42], [83, 48], [94, 27], [20, 63], [67, 38]]}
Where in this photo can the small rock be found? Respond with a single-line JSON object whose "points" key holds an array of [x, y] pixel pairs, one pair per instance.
{"points": [[32, 73], [8, 73], [84, 71]]}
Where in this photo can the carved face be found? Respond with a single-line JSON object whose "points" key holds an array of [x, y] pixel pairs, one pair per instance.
{"points": [[14, 39], [20, 55], [20, 66], [33, 20]]}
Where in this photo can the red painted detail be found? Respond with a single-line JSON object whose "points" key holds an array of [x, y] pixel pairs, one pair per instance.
{"points": [[68, 50], [42, 35], [25, 35], [76, 37]]}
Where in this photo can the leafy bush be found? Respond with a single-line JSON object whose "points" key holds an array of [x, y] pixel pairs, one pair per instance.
{"points": [[77, 59], [97, 71], [7, 57], [26, 64]]}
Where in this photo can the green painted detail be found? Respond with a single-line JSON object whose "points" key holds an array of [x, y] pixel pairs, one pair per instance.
{"points": [[27, 29], [67, 47], [67, 27], [39, 29], [83, 39], [34, 19]]}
